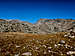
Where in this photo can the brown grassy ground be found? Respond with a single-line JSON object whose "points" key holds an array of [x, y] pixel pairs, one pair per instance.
{"points": [[21, 44]]}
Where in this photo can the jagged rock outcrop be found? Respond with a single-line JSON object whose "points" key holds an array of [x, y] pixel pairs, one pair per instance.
{"points": [[43, 26]]}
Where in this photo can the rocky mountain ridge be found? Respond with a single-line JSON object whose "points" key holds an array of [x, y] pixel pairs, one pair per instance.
{"points": [[43, 26]]}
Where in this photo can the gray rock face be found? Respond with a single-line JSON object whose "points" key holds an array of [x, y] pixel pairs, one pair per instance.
{"points": [[56, 25], [12, 26], [43, 26]]}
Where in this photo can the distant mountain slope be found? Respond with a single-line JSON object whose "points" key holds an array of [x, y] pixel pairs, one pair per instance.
{"points": [[55, 25], [43, 26]]}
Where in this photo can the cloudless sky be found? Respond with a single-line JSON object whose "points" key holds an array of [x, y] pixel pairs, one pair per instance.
{"points": [[33, 10]]}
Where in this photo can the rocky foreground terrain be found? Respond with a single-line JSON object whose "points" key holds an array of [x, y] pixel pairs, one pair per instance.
{"points": [[21, 44], [47, 37]]}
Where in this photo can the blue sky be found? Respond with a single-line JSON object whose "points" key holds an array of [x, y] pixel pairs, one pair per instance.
{"points": [[33, 10]]}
